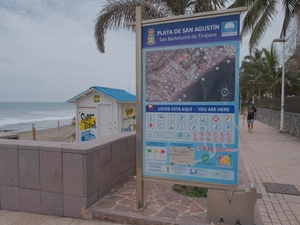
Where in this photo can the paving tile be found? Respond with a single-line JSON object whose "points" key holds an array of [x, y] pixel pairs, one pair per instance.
{"points": [[32, 219], [291, 216], [297, 217], [53, 220], [168, 213], [274, 200], [292, 198], [277, 207], [12, 217], [2, 212], [282, 216], [295, 207], [107, 204], [266, 219]]}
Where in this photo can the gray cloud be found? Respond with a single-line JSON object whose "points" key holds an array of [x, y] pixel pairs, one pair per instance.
{"points": [[48, 52]]}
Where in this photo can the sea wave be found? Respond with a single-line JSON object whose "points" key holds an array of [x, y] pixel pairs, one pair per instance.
{"points": [[21, 116], [17, 121]]}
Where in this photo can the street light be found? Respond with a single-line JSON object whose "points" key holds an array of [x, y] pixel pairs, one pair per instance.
{"points": [[282, 83]]}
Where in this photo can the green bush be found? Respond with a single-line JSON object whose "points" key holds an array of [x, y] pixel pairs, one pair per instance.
{"points": [[191, 191], [274, 107]]}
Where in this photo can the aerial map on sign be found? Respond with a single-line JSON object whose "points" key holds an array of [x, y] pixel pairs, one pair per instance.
{"points": [[191, 74]]}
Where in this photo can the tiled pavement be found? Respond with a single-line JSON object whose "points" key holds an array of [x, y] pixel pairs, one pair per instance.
{"points": [[23, 218], [270, 156], [165, 206], [265, 156]]}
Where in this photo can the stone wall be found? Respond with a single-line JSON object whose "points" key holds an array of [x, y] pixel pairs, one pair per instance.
{"points": [[272, 118], [62, 179]]}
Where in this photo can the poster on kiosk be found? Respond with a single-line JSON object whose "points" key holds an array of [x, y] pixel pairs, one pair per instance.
{"points": [[190, 100]]}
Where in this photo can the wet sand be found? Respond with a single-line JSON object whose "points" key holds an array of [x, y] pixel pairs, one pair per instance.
{"points": [[64, 134]]}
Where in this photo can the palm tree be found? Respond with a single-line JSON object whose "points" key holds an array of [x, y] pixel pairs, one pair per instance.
{"points": [[117, 13], [261, 73], [260, 15], [293, 45], [251, 68], [292, 75]]}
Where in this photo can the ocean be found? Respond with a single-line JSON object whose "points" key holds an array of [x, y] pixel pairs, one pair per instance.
{"points": [[19, 116]]}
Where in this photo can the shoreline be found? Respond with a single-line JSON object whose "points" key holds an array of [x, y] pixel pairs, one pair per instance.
{"points": [[64, 134]]}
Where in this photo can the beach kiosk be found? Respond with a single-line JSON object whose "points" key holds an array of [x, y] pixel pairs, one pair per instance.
{"points": [[103, 111]]}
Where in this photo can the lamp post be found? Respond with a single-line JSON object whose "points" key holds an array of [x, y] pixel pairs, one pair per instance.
{"points": [[282, 83]]}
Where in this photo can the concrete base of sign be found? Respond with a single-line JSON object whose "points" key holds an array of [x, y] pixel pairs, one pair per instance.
{"points": [[240, 208], [139, 208]]}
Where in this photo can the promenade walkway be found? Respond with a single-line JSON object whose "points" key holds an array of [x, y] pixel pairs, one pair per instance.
{"points": [[266, 156], [272, 157]]}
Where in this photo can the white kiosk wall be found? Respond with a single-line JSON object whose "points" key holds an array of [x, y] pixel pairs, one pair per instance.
{"points": [[99, 115]]}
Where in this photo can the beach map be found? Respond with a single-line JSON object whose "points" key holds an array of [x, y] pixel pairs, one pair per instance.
{"points": [[191, 74]]}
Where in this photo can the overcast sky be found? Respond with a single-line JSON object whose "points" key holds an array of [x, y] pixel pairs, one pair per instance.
{"points": [[48, 52]]}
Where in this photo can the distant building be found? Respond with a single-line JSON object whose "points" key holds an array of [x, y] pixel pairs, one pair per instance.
{"points": [[102, 111]]}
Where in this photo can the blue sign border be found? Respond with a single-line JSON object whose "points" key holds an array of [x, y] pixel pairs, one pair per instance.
{"points": [[207, 165]]}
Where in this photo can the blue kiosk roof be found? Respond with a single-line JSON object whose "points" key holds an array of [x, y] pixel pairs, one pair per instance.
{"points": [[117, 94]]}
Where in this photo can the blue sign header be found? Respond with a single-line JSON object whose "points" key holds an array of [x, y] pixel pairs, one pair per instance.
{"points": [[224, 28], [191, 108]]}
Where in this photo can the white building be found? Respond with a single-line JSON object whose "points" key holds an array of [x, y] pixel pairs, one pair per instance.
{"points": [[103, 111]]}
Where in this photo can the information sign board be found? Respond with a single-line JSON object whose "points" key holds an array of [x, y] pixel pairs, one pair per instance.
{"points": [[190, 100]]}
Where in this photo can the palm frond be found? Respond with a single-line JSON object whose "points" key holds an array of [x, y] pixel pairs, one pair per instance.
{"points": [[261, 25], [116, 14], [241, 3]]}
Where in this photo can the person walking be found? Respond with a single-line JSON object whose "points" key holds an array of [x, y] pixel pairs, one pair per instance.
{"points": [[251, 116]]}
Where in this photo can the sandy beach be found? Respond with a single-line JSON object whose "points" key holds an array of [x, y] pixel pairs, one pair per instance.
{"points": [[64, 134]]}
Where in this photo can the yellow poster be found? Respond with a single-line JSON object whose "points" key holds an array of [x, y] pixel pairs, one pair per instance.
{"points": [[129, 114]]}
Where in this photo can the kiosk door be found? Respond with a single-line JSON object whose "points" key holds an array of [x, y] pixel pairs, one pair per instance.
{"points": [[105, 120]]}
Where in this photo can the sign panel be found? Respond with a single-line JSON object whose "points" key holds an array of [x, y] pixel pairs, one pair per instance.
{"points": [[128, 120], [190, 88], [87, 124]]}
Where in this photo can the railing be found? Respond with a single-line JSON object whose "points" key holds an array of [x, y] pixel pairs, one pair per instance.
{"points": [[272, 118], [62, 179]]}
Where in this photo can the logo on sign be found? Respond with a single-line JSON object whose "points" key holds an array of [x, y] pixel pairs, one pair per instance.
{"points": [[193, 171], [229, 28], [151, 37]]}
